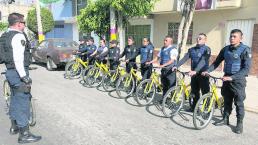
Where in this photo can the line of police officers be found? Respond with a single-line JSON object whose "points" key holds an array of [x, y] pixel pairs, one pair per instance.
{"points": [[237, 62], [237, 57]]}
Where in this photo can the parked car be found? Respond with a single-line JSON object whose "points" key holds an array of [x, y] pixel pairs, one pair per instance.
{"points": [[54, 52]]}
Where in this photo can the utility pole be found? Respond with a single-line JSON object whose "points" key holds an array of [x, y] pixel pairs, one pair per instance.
{"points": [[112, 24], [40, 30]]}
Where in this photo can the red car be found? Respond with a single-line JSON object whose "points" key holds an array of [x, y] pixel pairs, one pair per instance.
{"points": [[54, 52]]}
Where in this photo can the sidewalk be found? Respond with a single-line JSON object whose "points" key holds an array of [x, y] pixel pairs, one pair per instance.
{"points": [[251, 101]]}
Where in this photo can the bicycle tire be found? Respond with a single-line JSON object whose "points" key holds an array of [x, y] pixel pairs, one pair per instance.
{"points": [[108, 83], [207, 100], [120, 87], [91, 79], [74, 74], [172, 104], [141, 97]]}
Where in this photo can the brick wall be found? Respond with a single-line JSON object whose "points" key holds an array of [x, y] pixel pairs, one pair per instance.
{"points": [[254, 69]]}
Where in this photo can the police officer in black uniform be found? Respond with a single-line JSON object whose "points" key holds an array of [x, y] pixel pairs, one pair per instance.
{"points": [[200, 55], [17, 61], [130, 52], [113, 55], [89, 49], [168, 58], [146, 52], [237, 63]]}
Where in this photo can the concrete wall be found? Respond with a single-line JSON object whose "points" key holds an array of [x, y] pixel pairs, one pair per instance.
{"points": [[212, 22]]}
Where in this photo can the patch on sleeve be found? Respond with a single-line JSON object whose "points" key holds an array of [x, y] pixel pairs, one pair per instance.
{"points": [[23, 42]]}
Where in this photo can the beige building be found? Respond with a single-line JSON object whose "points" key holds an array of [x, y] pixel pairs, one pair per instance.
{"points": [[6, 9], [216, 18]]}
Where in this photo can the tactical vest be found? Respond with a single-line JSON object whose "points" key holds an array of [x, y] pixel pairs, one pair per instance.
{"points": [[112, 53], [145, 52], [5, 41], [91, 49], [100, 50], [165, 56], [196, 54], [232, 58]]}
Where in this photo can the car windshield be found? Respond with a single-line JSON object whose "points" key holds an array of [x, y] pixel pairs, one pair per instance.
{"points": [[65, 44]]}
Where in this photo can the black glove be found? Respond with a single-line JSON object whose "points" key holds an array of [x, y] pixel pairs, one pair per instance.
{"points": [[26, 80]]}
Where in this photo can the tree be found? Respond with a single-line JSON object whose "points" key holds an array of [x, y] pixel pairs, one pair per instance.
{"points": [[3, 26], [46, 17], [96, 16], [187, 8]]}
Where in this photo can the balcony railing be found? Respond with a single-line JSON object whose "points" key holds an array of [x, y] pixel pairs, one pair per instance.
{"points": [[225, 4], [163, 6]]}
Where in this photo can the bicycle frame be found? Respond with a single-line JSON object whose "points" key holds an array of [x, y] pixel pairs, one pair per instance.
{"points": [[183, 87], [154, 79], [119, 70], [132, 74], [215, 96]]}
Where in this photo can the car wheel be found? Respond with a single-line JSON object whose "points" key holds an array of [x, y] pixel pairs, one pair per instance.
{"points": [[50, 64]]}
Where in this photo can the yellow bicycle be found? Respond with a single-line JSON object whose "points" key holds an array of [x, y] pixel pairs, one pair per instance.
{"points": [[94, 77], [176, 96], [76, 68], [204, 109], [110, 79], [126, 84], [146, 90]]}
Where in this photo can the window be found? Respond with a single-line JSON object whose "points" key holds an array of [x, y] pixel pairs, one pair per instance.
{"points": [[173, 31], [138, 32], [43, 44]]}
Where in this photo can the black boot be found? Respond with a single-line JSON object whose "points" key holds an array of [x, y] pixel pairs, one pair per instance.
{"points": [[239, 126], [14, 128], [26, 137], [224, 121]]}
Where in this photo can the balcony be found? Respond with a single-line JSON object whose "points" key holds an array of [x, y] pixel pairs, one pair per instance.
{"points": [[165, 6], [228, 4]]}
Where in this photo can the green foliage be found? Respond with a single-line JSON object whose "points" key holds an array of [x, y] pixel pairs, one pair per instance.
{"points": [[3, 26], [96, 16], [46, 19]]}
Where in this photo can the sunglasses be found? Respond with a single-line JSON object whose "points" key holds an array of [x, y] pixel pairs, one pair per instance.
{"points": [[23, 22]]}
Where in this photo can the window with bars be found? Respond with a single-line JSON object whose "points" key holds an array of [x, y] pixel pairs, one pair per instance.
{"points": [[173, 31], [138, 32]]}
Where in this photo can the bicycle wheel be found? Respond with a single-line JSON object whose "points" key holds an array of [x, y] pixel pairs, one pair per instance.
{"points": [[125, 86], [173, 101], [74, 70], [109, 81], [67, 65], [85, 72], [203, 111], [7, 93], [94, 77], [145, 92], [32, 119]]}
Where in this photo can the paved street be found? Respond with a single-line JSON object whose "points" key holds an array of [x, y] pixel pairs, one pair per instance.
{"points": [[71, 114]]}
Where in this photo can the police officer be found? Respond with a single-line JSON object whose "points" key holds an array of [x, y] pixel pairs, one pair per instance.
{"points": [[168, 56], [89, 49], [237, 62], [17, 61], [130, 52], [113, 55], [200, 55], [146, 52], [101, 52]]}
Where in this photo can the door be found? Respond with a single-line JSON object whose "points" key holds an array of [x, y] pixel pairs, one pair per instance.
{"points": [[246, 26]]}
